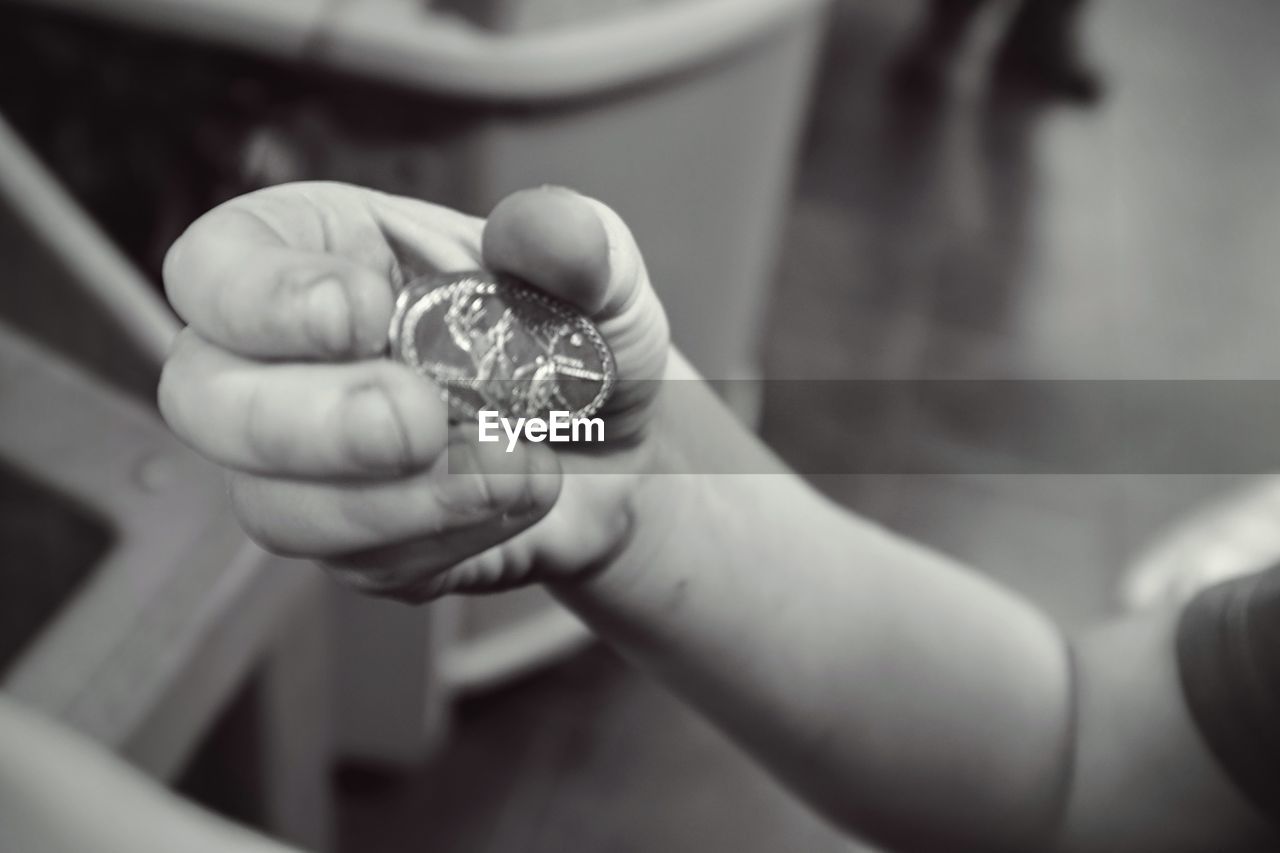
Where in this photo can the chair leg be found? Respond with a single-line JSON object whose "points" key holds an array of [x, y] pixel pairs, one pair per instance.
{"points": [[391, 701], [294, 717]]}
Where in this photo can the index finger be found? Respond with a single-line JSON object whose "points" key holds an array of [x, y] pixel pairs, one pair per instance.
{"points": [[309, 271]]}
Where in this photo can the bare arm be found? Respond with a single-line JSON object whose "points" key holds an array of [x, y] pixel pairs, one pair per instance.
{"points": [[909, 699], [902, 694], [61, 794]]}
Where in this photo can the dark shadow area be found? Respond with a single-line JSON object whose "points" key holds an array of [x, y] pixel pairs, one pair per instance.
{"points": [[152, 131], [50, 546]]}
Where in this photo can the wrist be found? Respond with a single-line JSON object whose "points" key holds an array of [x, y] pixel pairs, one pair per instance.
{"points": [[675, 501], [663, 500]]}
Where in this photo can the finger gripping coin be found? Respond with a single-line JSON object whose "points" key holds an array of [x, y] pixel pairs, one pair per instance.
{"points": [[493, 342]]}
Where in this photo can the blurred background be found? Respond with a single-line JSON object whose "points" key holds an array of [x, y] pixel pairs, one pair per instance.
{"points": [[848, 190]]}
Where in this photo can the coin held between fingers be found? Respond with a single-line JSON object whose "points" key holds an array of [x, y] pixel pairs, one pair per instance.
{"points": [[493, 342]]}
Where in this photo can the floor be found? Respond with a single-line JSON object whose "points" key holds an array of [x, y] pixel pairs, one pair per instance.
{"points": [[964, 238]]}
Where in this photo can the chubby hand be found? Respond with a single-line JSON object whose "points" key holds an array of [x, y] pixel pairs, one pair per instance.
{"points": [[335, 452]]}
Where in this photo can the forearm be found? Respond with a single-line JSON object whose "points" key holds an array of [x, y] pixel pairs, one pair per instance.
{"points": [[905, 697], [59, 794]]}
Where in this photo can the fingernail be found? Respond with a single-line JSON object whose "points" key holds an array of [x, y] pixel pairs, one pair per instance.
{"points": [[375, 433], [328, 316]]}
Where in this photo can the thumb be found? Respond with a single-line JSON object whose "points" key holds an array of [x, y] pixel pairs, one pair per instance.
{"points": [[579, 250]]}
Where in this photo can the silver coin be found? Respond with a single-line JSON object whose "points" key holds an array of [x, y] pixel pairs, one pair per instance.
{"points": [[493, 342]]}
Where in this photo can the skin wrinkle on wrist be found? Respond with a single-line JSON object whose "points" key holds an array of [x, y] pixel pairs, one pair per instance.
{"points": [[658, 504]]}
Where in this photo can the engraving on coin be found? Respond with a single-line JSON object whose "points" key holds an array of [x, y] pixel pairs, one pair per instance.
{"points": [[492, 342]]}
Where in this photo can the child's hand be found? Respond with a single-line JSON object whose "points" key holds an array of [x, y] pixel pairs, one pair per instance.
{"points": [[337, 453]]}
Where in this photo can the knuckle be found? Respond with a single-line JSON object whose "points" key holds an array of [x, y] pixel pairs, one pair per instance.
{"points": [[487, 494], [175, 381], [431, 588], [324, 305], [264, 537], [370, 302], [355, 577], [256, 520], [467, 491], [292, 284], [229, 319], [326, 311], [373, 431], [268, 445], [490, 494], [255, 298], [378, 515], [392, 584]]}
